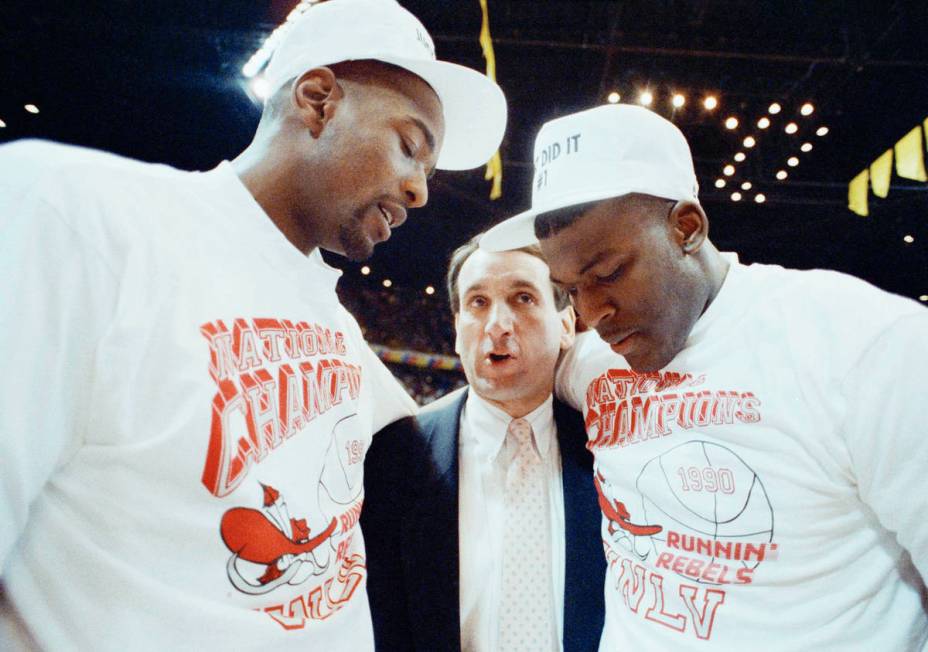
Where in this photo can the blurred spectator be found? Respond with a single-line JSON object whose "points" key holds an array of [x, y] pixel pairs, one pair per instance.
{"points": [[401, 318]]}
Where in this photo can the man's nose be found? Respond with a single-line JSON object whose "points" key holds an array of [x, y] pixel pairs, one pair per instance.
{"points": [[416, 188], [592, 307], [499, 322]]}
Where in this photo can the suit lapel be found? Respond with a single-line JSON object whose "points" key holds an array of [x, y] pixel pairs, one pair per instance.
{"points": [[433, 576]]}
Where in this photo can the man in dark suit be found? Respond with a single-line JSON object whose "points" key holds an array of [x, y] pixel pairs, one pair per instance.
{"points": [[480, 518]]}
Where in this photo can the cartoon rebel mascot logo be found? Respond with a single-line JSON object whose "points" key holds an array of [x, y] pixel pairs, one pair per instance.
{"points": [[286, 548], [621, 528]]}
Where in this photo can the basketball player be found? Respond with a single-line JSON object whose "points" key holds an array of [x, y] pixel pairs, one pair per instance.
{"points": [[186, 404], [758, 432]]}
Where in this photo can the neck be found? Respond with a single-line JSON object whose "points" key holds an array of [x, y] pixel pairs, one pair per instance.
{"points": [[716, 268], [267, 176], [519, 407]]}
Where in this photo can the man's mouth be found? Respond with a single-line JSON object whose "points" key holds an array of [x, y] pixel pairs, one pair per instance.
{"points": [[495, 358], [393, 213]]}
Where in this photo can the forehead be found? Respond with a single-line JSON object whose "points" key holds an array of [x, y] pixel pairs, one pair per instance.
{"points": [[402, 91], [502, 270], [610, 227]]}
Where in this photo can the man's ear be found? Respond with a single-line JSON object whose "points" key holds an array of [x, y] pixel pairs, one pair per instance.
{"points": [[690, 225], [568, 327], [457, 333], [316, 94]]}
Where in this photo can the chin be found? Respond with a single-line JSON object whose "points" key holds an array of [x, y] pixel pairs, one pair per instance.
{"points": [[356, 249]]}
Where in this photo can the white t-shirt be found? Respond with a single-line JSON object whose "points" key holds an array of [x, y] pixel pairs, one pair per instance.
{"points": [[767, 488], [185, 412]]}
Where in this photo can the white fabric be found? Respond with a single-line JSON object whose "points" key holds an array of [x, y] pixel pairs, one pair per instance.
{"points": [[793, 421], [186, 399], [607, 151], [473, 105], [526, 619], [481, 516]]}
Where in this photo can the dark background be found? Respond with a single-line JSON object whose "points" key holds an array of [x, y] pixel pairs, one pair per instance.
{"points": [[160, 81]]}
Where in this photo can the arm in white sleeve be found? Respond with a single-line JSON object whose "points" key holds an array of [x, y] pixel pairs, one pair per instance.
{"points": [[391, 401], [887, 434], [567, 382], [56, 296]]}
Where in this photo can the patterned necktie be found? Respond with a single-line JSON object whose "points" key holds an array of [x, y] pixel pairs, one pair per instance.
{"points": [[526, 612]]}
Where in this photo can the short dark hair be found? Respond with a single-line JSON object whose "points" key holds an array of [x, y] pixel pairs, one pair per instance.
{"points": [[552, 222], [462, 253], [362, 70]]}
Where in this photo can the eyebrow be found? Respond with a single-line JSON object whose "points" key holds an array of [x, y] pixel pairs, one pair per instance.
{"points": [[429, 136], [519, 284], [593, 262]]}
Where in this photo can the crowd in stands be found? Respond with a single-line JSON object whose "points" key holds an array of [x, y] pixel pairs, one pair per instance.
{"points": [[401, 318]]}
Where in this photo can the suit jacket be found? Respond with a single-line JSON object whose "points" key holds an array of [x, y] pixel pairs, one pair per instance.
{"points": [[410, 526]]}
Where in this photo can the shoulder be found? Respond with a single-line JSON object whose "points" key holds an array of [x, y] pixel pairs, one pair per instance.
{"points": [[837, 303], [34, 161]]}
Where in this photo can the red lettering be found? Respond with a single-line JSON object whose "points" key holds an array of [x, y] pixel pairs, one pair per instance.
{"points": [[704, 618]]}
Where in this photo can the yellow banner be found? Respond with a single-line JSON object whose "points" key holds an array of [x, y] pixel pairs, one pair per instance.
{"points": [[495, 165], [910, 156], [857, 194], [881, 171]]}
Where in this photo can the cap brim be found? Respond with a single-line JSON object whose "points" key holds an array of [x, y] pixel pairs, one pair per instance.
{"points": [[474, 108], [512, 233]]}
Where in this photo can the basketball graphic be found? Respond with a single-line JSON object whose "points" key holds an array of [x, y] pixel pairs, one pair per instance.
{"points": [[713, 506]]}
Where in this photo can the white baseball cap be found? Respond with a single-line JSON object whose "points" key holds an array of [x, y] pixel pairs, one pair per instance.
{"points": [[330, 32], [597, 154]]}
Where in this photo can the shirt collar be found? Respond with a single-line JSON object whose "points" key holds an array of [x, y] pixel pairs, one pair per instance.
{"points": [[488, 425]]}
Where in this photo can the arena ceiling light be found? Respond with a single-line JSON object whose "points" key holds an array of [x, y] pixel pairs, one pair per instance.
{"points": [[749, 142], [365, 270], [774, 108], [260, 87], [736, 196], [31, 108], [739, 156], [782, 174], [614, 97], [792, 161], [387, 283], [2, 124], [791, 128], [645, 98], [746, 185], [429, 289], [806, 147], [908, 239], [807, 108], [720, 183], [731, 122], [710, 102], [678, 100], [728, 170], [923, 297], [760, 198], [763, 123], [821, 131], [262, 55]]}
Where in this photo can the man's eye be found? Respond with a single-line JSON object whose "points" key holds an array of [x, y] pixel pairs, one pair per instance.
{"points": [[608, 278], [525, 297], [478, 302], [407, 147]]}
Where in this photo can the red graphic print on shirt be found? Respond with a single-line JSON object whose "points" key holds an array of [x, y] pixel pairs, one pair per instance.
{"points": [[697, 519], [280, 381]]}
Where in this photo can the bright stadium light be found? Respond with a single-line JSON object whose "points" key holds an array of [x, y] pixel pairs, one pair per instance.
{"points": [[614, 97], [710, 102]]}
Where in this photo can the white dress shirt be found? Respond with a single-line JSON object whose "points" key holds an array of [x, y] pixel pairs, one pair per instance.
{"points": [[482, 476]]}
